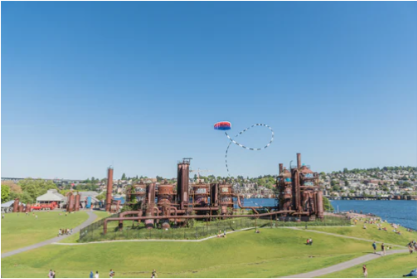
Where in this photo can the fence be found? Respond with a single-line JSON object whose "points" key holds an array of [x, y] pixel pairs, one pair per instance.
{"points": [[201, 229]]}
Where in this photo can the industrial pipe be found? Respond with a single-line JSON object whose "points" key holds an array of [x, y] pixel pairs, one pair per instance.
{"points": [[123, 214], [298, 160], [205, 208], [109, 188]]}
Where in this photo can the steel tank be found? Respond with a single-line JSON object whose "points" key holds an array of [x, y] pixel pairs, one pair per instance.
{"points": [[201, 193], [226, 197]]}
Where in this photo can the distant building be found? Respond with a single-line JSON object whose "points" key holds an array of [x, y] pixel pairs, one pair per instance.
{"points": [[51, 195]]}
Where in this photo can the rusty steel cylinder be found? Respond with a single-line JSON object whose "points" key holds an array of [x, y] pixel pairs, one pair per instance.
{"points": [[298, 160], [320, 208], [109, 188], [165, 194], [16, 205], [77, 202]]}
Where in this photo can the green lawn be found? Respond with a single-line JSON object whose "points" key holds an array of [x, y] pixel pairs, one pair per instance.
{"points": [[372, 233], [385, 267], [101, 214], [74, 238], [272, 253], [19, 230]]}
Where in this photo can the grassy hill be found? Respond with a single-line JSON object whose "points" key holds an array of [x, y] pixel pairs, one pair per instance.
{"points": [[373, 233], [272, 253], [19, 230], [385, 267]]}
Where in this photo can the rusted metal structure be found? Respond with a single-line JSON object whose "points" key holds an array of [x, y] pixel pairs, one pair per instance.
{"points": [[226, 198], [299, 191], [109, 188], [299, 196], [70, 202], [77, 202], [115, 206], [183, 178], [16, 205]]}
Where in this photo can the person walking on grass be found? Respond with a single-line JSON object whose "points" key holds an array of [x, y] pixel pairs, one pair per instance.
{"points": [[53, 274], [97, 276], [383, 249], [365, 271], [111, 273], [91, 274], [374, 246], [50, 273]]}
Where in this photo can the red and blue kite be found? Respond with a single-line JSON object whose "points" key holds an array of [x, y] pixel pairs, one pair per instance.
{"points": [[223, 125]]}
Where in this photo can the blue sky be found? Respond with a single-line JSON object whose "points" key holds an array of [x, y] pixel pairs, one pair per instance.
{"points": [[139, 85]]}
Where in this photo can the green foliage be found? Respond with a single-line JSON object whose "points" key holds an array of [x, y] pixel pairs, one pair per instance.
{"points": [[102, 196], [126, 208], [5, 192], [124, 176], [64, 192], [327, 205], [405, 185], [23, 197], [35, 188]]}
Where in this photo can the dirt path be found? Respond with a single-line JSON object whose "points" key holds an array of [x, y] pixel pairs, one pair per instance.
{"points": [[91, 218]]}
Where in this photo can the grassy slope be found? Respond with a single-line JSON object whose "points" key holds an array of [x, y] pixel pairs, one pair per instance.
{"points": [[373, 233], [75, 237], [271, 253], [101, 214], [385, 267], [19, 230]]}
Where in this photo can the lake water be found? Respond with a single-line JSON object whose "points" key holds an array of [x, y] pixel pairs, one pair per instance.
{"points": [[398, 212], [394, 211]]}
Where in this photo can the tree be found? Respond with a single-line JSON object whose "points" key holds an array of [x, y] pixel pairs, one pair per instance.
{"points": [[124, 176], [35, 187], [102, 196], [327, 205], [14, 188], [5, 192]]}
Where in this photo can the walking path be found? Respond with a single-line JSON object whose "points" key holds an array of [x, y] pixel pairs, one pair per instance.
{"points": [[91, 218], [151, 240], [344, 265], [344, 236]]}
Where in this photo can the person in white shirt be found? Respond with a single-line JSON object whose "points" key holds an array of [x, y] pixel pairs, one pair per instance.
{"points": [[97, 276]]}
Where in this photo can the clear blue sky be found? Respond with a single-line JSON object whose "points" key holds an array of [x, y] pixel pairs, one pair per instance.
{"points": [[140, 84]]}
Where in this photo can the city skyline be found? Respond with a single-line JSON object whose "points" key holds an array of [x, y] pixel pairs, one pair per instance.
{"points": [[139, 86]]}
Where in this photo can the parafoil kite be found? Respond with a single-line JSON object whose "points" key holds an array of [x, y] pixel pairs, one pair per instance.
{"points": [[225, 125]]}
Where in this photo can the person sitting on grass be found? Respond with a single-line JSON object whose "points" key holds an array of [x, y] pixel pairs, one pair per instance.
{"points": [[311, 241], [412, 273]]}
